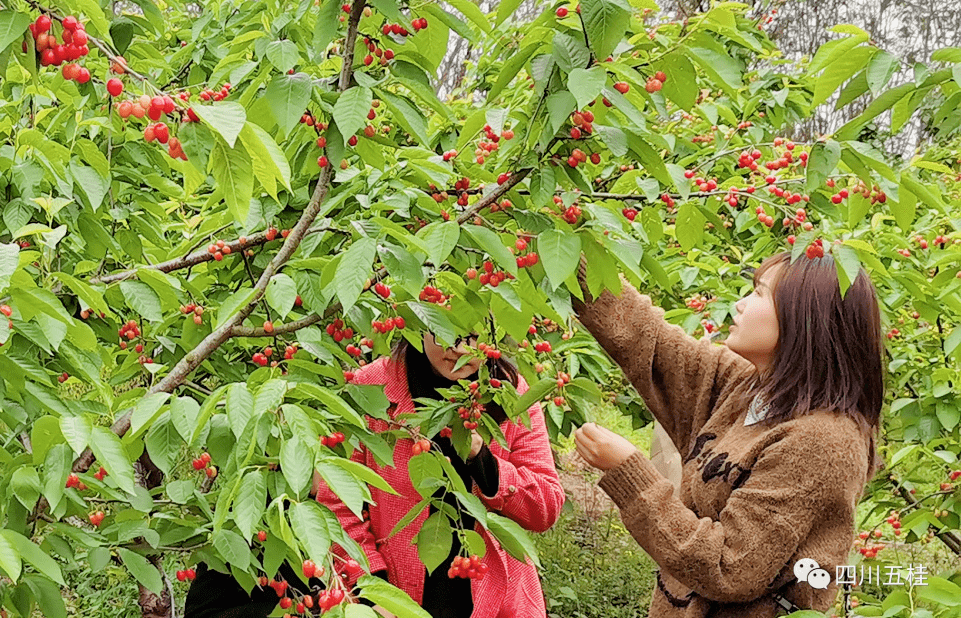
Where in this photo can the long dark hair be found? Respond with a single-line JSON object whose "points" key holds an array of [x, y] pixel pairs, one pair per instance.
{"points": [[830, 354], [422, 381]]}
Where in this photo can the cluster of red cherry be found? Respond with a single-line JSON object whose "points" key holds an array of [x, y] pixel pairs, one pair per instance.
{"points": [[333, 439], [74, 481], [490, 276], [217, 249], [388, 325], [484, 148], [470, 415], [130, 330], [528, 259], [430, 294], [467, 568], [55, 53], [336, 330], [263, 358], [186, 575], [196, 310], [203, 463]]}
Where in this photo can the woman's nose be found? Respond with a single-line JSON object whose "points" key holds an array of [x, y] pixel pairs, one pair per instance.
{"points": [[739, 306]]}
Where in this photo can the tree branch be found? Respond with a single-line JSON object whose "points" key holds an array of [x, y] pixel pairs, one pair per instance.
{"points": [[192, 259]]}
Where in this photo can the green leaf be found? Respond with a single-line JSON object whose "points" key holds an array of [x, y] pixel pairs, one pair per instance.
{"points": [[146, 411], [76, 430], [605, 22], [9, 257], [880, 70], [512, 537], [848, 265], [84, 292], [434, 541], [406, 114], [586, 84], [391, 598], [163, 443], [570, 53], [614, 138], [183, 415], [559, 108], [363, 473], [904, 208], [48, 596], [822, 163], [296, 462], [283, 55], [309, 524], [234, 303], [353, 270], [281, 294], [534, 394], [351, 491], [469, 10], [288, 96], [436, 320], [940, 591], [268, 159], [232, 548], [560, 253], [13, 25], [144, 572], [356, 610], [25, 484], [505, 9], [350, 110], [724, 70], [239, 407], [9, 556], [142, 299], [491, 243], [31, 553], [839, 72], [440, 238], [110, 453], [250, 503], [227, 118], [682, 86], [233, 170]]}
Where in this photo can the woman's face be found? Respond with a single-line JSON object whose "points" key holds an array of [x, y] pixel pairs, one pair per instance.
{"points": [[754, 334], [443, 359]]}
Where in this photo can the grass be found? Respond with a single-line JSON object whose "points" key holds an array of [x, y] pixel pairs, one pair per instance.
{"points": [[594, 569]]}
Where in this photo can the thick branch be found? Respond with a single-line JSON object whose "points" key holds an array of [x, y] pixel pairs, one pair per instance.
{"points": [[952, 540], [192, 259]]}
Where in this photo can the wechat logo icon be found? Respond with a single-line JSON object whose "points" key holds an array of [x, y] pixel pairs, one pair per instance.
{"points": [[807, 570]]}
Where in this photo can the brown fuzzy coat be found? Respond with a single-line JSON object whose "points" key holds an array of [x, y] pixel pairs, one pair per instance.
{"points": [[753, 500]]}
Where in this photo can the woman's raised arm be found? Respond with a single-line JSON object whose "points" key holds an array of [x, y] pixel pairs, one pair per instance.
{"points": [[679, 377]]}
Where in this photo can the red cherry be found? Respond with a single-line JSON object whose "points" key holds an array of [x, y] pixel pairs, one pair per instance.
{"points": [[114, 87], [561, 12]]}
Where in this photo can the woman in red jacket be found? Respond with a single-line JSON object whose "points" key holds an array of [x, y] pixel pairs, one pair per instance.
{"points": [[519, 483]]}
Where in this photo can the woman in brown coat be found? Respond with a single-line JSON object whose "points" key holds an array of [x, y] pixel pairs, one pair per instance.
{"points": [[777, 433]]}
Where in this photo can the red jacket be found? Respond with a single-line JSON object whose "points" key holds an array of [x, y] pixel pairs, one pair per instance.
{"points": [[530, 493]]}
